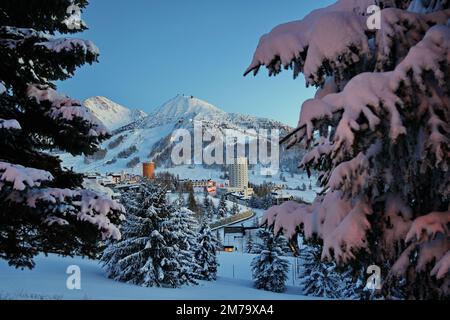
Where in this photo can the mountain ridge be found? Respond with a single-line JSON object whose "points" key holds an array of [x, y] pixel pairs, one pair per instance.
{"points": [[149, 138]]}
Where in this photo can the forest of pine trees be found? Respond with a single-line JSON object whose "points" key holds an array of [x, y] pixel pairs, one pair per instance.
{"points": [[161, 243]]}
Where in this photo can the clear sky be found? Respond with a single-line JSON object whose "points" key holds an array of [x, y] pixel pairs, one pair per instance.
{"points": [[152, 50]]}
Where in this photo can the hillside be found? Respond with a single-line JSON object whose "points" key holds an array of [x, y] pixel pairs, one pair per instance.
{"points": [[149, 138]]}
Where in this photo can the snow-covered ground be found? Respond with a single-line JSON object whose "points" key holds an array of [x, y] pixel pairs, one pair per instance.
{"points": [[48, 281]]}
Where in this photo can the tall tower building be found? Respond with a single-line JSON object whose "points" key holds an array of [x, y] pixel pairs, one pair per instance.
{"points": [[239, 173], [148, 170]]}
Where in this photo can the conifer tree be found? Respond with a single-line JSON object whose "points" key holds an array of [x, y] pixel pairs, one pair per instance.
{"points": [[270, 269], [154, 251], [377, 132], [323, 279], [43, 207], [206, 253], [235, 209], [222, 209], [249, 244]]}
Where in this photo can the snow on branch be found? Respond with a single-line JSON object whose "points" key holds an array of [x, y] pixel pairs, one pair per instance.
{"points": [[375, 94], [21, 177], [429, 226], [66, 108], [399, 31], [84, 205], [337, 41], [349, 236], [442, 268], [67, 44], [314, 43], [10, 124], [74, 21], [435, 251], [341, 223], [354, 176], [11, 37]]}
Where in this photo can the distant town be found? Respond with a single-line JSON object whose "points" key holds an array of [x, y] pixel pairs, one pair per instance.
{"points": [[233, 205]]}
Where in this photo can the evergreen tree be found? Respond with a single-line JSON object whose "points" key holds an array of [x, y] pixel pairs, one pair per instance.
{"points": [[42, 205], [249, 244], [222, 210], [153, 250], [211, 210], [377, 132], [192, 202], [219, 240], [322, 279], [180, 200], [183, 227], [206, 203], [269, 269], [206, 253], [254, 202], [235, 209]]}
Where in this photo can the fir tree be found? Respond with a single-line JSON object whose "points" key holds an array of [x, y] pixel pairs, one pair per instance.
{"points": [[249, 244], [42, 205], [206, 253], [192, 202], [219, 239], [183, 227], [206, 203], [377, 133], [235, 209], [222, 210], [211, 210], [269, 269], [154, 251], [323, 279]]}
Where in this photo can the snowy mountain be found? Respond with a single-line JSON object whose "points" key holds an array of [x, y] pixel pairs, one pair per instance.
{"points": [[149, 138], [112, 115]]}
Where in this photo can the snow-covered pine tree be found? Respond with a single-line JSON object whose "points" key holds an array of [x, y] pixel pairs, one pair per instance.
{"points": [[378, 134], [191, 201], [180, 202], [211, 210], [206, 253], [119, 258], [42, 205], [269, 268], [219, 239], [249, 243], [235, 209], [206, 203], [149, 253], [184, 229], [222, 209], [322, 279]]}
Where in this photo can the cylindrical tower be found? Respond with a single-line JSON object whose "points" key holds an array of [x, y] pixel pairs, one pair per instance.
{"points": [[148, 170]]}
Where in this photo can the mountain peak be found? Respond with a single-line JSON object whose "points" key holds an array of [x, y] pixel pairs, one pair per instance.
{"points": [[182, 106], [113, 115]]}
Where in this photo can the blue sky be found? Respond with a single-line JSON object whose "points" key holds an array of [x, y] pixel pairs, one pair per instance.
{"points": [[152, 50]]}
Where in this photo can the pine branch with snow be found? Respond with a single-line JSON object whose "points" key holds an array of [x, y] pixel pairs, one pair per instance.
{"points": [[42, 205], [377, 133]]}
